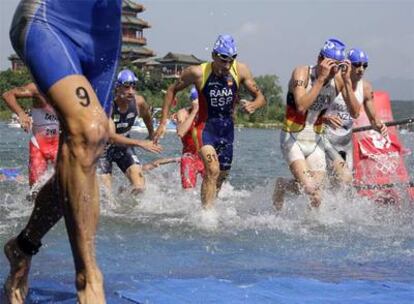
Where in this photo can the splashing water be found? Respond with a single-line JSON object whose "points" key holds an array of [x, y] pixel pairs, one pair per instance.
{"points": [[164, 232]]}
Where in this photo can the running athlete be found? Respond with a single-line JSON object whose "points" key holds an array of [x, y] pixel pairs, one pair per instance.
{"points": [[127, 106], [191, 163], [311, 90], [339, 120], [217, 83], [44, 125], [71, 49]]}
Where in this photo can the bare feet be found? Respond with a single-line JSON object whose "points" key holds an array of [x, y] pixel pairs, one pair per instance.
{"points": [[279, 194], [16, 286], [90, 291], [315, 201], [137, 190]]}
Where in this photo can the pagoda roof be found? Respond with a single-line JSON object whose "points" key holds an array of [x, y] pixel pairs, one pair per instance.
{"points": [[146, 61], [14, 57], [182, 58], [134, 20], [139, 50], [132, 5]]}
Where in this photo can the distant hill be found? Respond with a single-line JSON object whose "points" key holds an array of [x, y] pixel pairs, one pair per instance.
{"points": [[398, 88]]}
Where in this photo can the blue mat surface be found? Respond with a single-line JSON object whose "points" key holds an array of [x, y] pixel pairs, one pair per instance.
{"points": [[212, 290], [273, 290], [50, 292]]}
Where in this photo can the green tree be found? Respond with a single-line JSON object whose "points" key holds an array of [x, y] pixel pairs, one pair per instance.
{"points": [[153, 87], [274, 109]]}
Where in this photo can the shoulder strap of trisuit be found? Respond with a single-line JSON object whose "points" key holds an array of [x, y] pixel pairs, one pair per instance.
{"points": [[235, 73], [206, 68]]}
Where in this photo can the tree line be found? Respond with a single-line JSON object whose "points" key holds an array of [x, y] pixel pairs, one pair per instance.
{"points": [[153, 88]]}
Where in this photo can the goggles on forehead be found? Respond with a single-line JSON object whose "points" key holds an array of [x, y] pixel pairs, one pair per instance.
{"points": [[226, 58]]}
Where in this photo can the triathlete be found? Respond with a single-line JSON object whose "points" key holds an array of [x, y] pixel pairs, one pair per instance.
{"points": [[217, 84]]}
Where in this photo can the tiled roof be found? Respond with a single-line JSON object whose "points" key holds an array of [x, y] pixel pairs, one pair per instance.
{"points": [[132, 5], [134, 20], [139, 50], [146, 61], [176, 57], [13, 56]]}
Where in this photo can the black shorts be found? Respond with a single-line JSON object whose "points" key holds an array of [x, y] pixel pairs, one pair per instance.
{"points": [[123, 157]]}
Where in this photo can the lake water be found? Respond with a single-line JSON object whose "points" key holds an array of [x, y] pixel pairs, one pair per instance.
{"points": [[161, 247]]}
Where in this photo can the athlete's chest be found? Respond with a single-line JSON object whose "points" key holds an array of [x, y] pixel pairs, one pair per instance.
{"points": [[220, 91], [124, 119]]}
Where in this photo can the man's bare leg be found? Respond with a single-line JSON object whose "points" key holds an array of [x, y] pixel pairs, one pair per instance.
{"points": [[45, 215], [106, 181], [85, 129], [309, 180], [16, 285], [212, 171], [343, 175], [136, 178], [282, 186], [220, 180]]}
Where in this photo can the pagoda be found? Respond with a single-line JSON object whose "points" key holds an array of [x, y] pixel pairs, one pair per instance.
{"points": [[133, 40]]}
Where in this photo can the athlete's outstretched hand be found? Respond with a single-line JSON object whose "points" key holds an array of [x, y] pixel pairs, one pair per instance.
{"points": [[25, 121], [159, 133], [163, 161], [150, 146], [248, 106], [333, 121]]}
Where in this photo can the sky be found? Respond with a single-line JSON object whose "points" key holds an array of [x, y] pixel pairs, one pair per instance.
{"points": [[275, 36]]}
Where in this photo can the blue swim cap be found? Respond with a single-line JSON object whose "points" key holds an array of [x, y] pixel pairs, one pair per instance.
{"points": [[357, 55], [333, 49], [126, 76], [193, 94], [10, 173], [225, 45]]}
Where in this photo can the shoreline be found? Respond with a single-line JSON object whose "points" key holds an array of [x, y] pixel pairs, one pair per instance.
{"points": [[5, 118], [260, 125]]}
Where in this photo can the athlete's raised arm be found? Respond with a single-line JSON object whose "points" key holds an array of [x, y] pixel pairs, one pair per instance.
{"points": [[11, 97], [248, 81], [185, 119], [299, 80], [344, 83], [144, 111], [369, 108], [190, 75]]}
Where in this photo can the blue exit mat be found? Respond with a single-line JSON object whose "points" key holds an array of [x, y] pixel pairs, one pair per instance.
{"points": [[214, 291], [272, 290]]}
